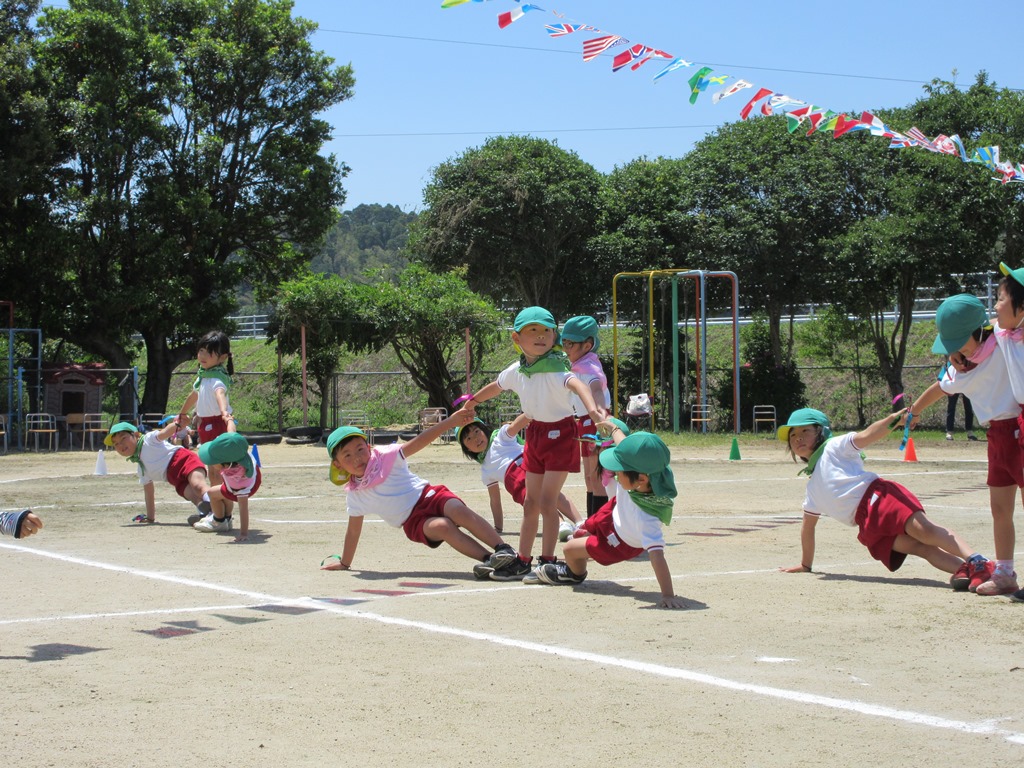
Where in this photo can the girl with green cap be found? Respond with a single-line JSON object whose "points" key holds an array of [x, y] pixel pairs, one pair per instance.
{"points": [[890, 520]]}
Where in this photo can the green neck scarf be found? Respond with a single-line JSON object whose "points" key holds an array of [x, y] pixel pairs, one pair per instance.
{"points": [[135, 457], [812, 462], [550, 362], [216, 372], [658, 506]]}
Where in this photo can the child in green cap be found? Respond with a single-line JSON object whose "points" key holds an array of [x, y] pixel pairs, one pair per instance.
{"points": [[240, 476], [977, 370], [379, 481], [629, 524], [890, 520], [545, 385], [156, 459], [580, 341], [499, 452]]}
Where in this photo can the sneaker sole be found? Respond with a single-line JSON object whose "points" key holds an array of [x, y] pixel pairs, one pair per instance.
{"points": [[501, 559], [482, 571], [998, 591], [495, 576]]}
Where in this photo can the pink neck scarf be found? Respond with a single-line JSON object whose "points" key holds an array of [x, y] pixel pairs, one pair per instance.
{"points": [[381, 462]]}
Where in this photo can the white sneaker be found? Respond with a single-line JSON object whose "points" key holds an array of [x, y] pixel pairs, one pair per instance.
{"points": [[209, 524], [949, 436], [565, 530]]}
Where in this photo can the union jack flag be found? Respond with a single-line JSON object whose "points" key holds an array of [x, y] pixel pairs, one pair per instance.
{"points": [[561, 30], [598, 45], [629, 55]]}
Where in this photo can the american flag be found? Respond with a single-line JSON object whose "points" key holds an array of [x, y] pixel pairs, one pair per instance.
{"points": [[598, 45], [918, 137], [561, 30]]}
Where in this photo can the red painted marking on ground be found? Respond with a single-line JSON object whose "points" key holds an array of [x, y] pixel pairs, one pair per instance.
{"points": [[736, 530], [422, 585], [388, 592]]}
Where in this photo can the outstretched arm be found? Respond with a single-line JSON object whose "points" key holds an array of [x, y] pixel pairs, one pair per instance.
{"points": [[352, 534], [931, 395], [878, 430], [460, 418], [187, 406], [490, 391], [583, 392], [806, 546]]}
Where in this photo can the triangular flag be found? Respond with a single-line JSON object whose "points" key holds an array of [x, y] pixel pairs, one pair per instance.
{"points": [[672, 67], [761, 93], [845, 124], [508, 17], [698, 83], [596, 46], [561, 30], [819, 118], [950, 145], [796, 116], [649, 56], [733, 89], [629, 55], [776, 101], [987, 156]]}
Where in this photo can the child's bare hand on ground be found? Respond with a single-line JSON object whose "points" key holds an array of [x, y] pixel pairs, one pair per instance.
{"points": [[241, 539], [671, 602], [795, 569]]}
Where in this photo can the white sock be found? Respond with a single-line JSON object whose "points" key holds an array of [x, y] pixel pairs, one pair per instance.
{"points": [[1004, 567]]}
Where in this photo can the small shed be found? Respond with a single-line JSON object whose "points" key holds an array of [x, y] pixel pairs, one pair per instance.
{"points": [[73, 388]]}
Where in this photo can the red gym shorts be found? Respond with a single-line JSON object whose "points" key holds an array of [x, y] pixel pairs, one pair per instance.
{"points": [[1005, 456], [515, 481], [230, 495], [603, 544], [183, 463], [585, 426], [882, 515], [551, 447], [210, 427], [431, 504]]}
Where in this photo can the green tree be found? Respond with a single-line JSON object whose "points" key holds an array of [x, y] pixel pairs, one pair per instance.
{"points": [[762, 203], [194, 163], [366, 239], [518, 212], [329, 311]]}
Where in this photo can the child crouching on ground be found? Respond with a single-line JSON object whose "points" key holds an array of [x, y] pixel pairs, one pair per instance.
{"points": [[240, 479], [631, 522], [379, 480], [157, 459], [890, 520]]}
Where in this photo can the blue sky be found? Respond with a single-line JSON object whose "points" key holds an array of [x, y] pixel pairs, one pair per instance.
{"points": [[431, 83]]}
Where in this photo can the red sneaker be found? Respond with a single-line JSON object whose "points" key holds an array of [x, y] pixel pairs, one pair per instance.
{"points": [[981, 574], [961, 580]]}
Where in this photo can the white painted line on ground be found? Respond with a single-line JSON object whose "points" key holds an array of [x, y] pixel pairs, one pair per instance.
{"points": [[647, 668], [127, 614]]}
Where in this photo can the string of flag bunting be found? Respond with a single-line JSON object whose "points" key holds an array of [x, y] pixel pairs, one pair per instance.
{"points": [[799, 114]]}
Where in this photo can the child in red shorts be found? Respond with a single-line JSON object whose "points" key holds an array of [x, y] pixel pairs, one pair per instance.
{"points": [[379, 481], [890, 520], [157, 459], [630, 523]]}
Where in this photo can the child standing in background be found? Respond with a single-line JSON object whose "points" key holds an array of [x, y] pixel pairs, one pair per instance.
{"points": [[209, 395], [580, 342], [542, 380], [978, 371]]}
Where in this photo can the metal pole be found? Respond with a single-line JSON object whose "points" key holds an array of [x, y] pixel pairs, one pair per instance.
{"points": [[305, 396]]}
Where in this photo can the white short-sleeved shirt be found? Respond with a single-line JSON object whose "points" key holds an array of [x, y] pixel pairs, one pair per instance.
{"points": [[839, 481], [542, 396], [206, 405], [155, 456], [503, 450], [393, 498], [987, 386], [633, 525], [1013, 352], [588, 369]]}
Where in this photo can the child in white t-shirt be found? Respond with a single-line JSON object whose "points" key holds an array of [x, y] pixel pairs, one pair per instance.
{"points": [[379, 481], [890, 520]]}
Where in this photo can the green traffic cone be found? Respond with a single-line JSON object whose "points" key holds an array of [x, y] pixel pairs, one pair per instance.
{"points": [[734, 452]]}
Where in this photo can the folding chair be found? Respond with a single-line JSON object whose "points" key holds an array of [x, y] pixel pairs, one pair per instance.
{"points": [[358, 419], [764, 414], [701, 416], [37, 424], [3, 430], [93, 424], [73, 424]]}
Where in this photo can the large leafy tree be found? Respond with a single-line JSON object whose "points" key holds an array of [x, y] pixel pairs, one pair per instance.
{"points": [[193, 141], [762, 202], [517, 212]]}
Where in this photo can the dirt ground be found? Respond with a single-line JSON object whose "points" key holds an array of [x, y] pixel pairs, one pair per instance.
{"points": [[133, 645]]}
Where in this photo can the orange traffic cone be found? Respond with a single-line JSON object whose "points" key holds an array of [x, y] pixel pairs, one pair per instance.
{"points": [[910, 454]]}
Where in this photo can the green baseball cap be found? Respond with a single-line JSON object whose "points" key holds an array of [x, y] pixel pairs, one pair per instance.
{"points": [[957, 318], [804, 417], [581, 328], [1016, 274], [638, 452], [228, 448], [121, 426], [337, 476], [537, 315], [458, 430]]}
